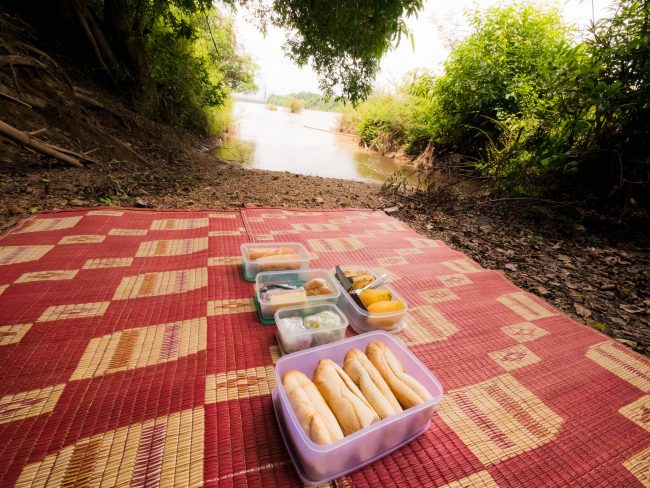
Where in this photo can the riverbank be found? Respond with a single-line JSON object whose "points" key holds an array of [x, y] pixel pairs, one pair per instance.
{"points": [[593, 269]]}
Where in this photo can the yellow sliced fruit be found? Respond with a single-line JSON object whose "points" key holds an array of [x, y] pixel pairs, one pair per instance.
{"points": [[386, 306], [370, 296]]}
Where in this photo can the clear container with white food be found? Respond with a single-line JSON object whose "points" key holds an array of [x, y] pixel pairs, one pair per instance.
{"points": [[300, 328]]}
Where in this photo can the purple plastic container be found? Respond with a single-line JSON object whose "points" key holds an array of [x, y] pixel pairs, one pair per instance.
{"points": [[318, 464]]}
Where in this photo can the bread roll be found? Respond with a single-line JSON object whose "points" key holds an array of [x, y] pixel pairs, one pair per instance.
{"points": [[372, 385], [348, 404], [255, 254], [310, 408], [408, 391]]}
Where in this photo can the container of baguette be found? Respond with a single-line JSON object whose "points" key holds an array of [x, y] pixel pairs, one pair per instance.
{"points": [[374, 308], [275, 290], [346, 404], [272, 256]]}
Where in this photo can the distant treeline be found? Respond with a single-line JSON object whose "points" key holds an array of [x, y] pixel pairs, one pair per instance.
{"points": [[311, 101]]}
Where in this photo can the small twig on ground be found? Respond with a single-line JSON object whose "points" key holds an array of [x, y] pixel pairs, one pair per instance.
{"points": [[9, 97], [552, 203], [128, 149], [85, 96], [81, 156]]}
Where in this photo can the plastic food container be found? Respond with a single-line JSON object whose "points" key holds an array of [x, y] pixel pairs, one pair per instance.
{"points": [[296, 278], [291, 341], [361, 320], [251, 267], [317, 464]]}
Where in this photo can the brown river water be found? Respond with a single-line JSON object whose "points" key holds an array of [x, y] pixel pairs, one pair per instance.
{"points": [[300, 143]]}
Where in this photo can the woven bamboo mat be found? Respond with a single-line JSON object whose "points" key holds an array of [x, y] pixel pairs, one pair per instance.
{"points": [[130, 355]]}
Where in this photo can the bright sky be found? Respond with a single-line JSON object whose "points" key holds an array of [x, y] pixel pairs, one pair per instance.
{"points": [[440, 22]]}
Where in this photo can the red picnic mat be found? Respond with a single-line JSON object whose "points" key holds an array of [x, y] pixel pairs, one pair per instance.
{"points": [[130, 355]]}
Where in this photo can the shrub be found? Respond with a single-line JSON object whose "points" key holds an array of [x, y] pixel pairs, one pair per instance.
{"points": [[495, 73], [348, 120], [295, 106], [392, 122]]}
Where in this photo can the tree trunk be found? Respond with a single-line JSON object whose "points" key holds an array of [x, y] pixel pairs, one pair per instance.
{"points": [[77, 13], [123, 31]]}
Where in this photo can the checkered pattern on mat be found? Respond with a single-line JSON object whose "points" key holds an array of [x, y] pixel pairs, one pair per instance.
{"points": [[130, 355]]}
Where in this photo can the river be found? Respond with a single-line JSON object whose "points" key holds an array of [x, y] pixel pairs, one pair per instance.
{"points": [[300, 143]]}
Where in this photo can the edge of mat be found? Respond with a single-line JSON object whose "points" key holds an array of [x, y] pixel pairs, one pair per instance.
{"points": [[241, 211]]}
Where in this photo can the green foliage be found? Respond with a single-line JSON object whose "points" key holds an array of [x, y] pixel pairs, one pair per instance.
{"points": [[193, 74], [220, 119], [311, 101], [348, 120], [590, 118], [342, 41], [601, 101], [599, 326], [494, 74], [392, 122], [533, 110], [180, 57]]}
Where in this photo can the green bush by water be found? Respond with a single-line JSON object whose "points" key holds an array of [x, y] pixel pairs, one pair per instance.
{"points": [[530, 107], [194, 71]]}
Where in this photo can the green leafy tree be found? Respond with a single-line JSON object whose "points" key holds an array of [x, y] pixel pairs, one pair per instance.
{"points": [[495, 73], [193, 73], [603, 105], [342, 41]]}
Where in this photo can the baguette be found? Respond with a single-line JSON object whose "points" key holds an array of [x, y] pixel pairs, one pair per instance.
{"points": [[310, 408], [348, 404], [372, 385], [278, 262], [408, 391], [255, 254]]}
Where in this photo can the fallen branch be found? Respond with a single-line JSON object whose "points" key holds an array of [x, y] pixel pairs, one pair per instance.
{"points": [[127, 148], [330, 131], [26, 140], [84, 96], [18, 60], [551, 203], [15, 100], [80, 156]]}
